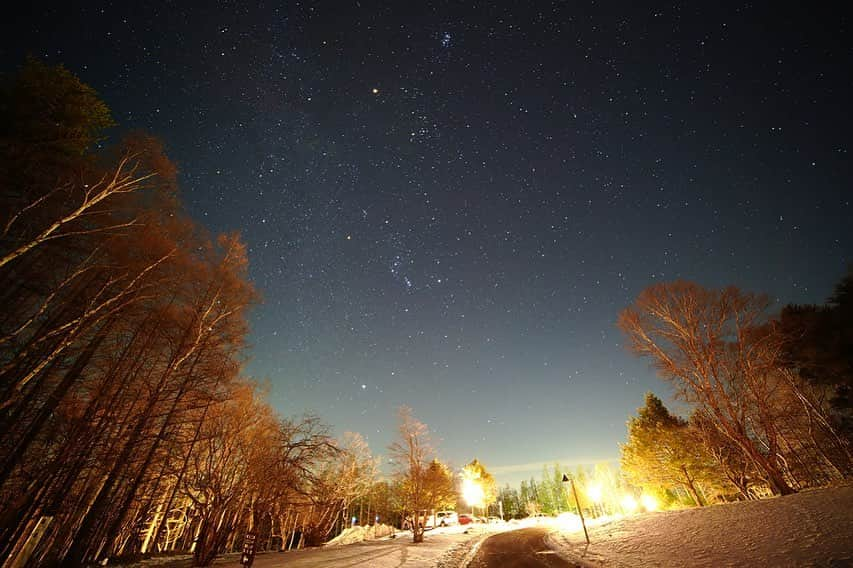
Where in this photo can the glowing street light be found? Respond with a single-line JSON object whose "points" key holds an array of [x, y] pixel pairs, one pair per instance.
{"points": [[594, 492], [629, 504], [473, 492], [649, 502]]}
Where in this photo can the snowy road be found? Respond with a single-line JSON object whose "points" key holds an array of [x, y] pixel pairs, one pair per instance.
{"points": [[385, 553], [523, 548], [442, 547]]}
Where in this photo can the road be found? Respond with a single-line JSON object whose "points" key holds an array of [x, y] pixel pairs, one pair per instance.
{"points": [[523, 548], [377, 553], [440, 546]]}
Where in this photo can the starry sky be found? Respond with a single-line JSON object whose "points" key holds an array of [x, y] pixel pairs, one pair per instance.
{"points": [[448, 204]]}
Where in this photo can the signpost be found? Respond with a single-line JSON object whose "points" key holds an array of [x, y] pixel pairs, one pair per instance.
{"points": [[568, 479], [248, 555]]}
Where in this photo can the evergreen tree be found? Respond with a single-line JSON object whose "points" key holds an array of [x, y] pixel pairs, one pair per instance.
{"points": [[547, 503], [511, 501], [661, 451], [820, 348]]}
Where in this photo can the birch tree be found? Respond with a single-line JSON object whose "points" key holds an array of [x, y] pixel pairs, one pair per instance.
{"points": [[705, 343]]}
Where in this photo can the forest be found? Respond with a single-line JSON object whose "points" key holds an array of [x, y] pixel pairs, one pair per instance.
{"points": [[128, 428], [768, 399], [768, 394], [126, 425]]}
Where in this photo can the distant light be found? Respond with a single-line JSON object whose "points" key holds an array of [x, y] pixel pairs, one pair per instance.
{"points": [[375, 91], [473, 492], [649, 503], [594, 492], [629, 504]]}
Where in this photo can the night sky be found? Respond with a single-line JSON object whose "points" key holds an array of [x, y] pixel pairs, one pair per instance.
{"points": [[447, 206]]}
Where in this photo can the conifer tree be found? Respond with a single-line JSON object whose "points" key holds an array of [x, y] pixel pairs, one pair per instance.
{"points": [[661, 451]]}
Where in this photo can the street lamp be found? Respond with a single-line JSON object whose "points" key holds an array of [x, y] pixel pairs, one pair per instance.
{"points": [[594, 492], [567, 479], [629, 504], [649, 502], [473, 493]]}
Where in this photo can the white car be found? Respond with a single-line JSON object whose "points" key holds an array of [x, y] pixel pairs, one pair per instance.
{"points": [[444, 518]]}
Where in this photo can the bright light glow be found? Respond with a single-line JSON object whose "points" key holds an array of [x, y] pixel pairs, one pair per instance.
{"points": [[569, 522], [594, 492], [629, 504], [472, 492], [649, 503]]}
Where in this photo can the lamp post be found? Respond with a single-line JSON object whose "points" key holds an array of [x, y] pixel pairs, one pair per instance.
{"points": [[567, 479]]}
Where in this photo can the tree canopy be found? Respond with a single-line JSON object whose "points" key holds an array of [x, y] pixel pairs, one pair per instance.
{"points": [[662, 451]]}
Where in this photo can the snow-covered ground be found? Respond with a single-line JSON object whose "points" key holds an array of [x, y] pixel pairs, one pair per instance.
{"points": [[445, 547], [811, 528]]}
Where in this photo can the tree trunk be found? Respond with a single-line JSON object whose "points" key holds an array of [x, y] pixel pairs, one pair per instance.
{"points": [[71, 376], [691, 487]]}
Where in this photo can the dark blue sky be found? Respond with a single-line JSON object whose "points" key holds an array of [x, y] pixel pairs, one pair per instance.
{"points": [[447, 206]]}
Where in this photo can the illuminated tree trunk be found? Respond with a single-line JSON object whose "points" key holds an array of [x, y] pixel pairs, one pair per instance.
{"points": [[691, 487], [133, 487]]}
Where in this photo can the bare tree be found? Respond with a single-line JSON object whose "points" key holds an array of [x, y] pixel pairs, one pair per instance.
{"points": [[710, 346], [412, 454], [343, 478]]}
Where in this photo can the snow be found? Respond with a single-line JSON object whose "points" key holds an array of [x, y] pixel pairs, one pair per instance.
{"points": [[359, 534], [811, 528], [444, 547]]}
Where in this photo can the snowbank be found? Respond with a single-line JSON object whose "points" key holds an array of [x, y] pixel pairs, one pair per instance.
{"points": [[812, 528], [359, 534]]}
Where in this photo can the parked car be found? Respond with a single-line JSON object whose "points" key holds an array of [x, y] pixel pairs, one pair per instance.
{"points": [[445, 518], [465, 519]]}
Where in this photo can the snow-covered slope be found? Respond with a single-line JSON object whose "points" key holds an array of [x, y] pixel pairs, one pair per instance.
{"points": [[811, 528]]}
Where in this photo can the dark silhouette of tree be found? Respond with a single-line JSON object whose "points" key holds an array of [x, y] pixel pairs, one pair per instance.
{"points": [[820, 348]]}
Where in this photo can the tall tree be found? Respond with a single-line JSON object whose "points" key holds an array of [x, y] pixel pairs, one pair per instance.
{"points": [[820, 348], [662, 451], [481, 486], [412, 453], [348, 474], [712, 346], [511, 500], [123, 333], [439, 486]]}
